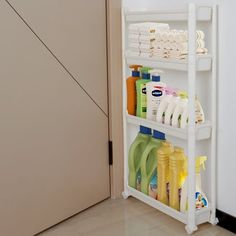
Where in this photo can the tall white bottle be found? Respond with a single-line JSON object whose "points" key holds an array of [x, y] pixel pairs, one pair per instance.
{"points": [[170, 110], [179, 109], [165, 101], [155, 92]]}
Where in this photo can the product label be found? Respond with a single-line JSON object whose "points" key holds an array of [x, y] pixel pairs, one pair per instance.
{"points": [[139, 178], [144, 100], [201, 202], [153, 186], [157, 94]]}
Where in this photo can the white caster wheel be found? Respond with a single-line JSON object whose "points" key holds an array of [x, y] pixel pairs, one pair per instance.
{"points": [[214, 221], [125, 195], [189, 229]]}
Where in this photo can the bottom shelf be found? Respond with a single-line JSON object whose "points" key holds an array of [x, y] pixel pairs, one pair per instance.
{"points": [[202, 215]]}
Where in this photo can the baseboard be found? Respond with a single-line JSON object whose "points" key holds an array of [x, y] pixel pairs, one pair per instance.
{"points": [[226, 221]]}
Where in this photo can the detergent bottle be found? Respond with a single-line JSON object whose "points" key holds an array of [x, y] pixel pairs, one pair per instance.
{"points": [[177, 176], [131, 89], [199, 115], [200, 197], [155, 92], [149, 160], [142, 92], [181, 106], [135, 152], [163, 155], [170, 109], [165, 101]]}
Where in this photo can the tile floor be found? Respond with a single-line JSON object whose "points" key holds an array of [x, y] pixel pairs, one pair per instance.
{"points": [[126, 218]]}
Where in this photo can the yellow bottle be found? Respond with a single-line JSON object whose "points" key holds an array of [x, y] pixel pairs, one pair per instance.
{"points": [[177, 176], [163, 154]]}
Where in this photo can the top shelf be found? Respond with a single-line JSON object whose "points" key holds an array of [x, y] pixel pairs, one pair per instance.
{"points": [[204, 13]]}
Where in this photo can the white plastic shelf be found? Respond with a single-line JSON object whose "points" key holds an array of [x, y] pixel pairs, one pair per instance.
{"points": [[202, 131], [204, 62], [204, 13], [202, 215]]}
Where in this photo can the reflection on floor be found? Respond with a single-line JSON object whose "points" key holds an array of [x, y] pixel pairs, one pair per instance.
{"points": [[126, 218]]}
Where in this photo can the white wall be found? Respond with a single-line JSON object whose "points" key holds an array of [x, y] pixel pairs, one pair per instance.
{"points": [[226, 163]]}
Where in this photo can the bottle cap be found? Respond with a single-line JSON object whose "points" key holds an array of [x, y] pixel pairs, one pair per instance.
{"points": [[183, 94], [145, 72], [159, 135], [135, 70], [156, 75], [145, 130]]}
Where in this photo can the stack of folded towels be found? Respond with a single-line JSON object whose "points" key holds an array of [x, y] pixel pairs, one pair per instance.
{"points": [[142, 37], [157, 40]]}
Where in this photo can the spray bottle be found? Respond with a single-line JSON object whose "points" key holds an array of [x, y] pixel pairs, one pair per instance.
{"points": [[142, 92], [155, 92], [200, 197], [131, 89]]}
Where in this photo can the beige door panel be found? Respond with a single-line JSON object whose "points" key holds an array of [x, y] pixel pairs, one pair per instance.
{"points": [[53, 138], [75, 31]]}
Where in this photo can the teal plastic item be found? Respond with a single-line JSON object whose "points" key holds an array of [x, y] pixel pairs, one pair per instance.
{"points": [[135, 153], [149, 160], [142, 92]]}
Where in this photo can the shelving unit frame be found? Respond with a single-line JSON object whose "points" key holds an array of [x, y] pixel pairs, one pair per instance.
{"points": [[191, 14]]}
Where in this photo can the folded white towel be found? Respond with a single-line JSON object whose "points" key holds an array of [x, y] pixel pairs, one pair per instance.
{"points": [[146, 54], [133, 53], [165, 36], [147, 38], [134, 45]]}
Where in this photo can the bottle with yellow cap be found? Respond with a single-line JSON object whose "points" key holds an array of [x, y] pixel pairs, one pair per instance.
{"points": [[177, 176], [131, 89], [181, 106], [163, 155], [142, 92], [200, 197]]}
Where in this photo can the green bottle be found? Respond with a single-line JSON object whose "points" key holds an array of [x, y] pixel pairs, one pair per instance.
{"points": [[142, 93], [135, 152], [149, 160]]}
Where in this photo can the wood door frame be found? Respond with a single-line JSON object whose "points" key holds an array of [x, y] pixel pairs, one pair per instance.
{"points": [[114, 52]]}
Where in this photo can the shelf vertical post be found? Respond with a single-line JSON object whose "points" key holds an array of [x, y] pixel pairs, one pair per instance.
{"points": [[125, 151], [213, 219], [192, 18]]}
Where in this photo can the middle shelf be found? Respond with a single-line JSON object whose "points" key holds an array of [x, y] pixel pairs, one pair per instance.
{"points": [[203, 63], [202, 131]]}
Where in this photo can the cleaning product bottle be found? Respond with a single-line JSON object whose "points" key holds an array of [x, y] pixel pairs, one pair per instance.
{"points": [[163, 155], [131, 89], [179, 109], [165, 101], [170, 109], [142, 92], [177, 176], [155, 92], [200, 197], [199, 114], [149, 160], [135, 152]]}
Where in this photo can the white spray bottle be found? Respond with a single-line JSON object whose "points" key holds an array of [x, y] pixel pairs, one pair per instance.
{"points": [[155, 92]]}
